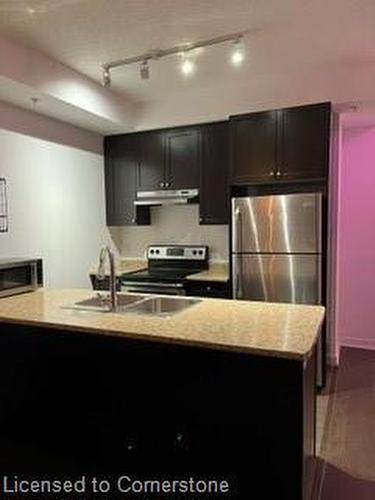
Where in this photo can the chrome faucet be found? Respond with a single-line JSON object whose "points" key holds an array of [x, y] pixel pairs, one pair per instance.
{"points": [[112, 274]]}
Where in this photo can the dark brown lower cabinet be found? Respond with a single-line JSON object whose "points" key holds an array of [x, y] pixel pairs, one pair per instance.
{"points": [[73, 403], [213, 289]]}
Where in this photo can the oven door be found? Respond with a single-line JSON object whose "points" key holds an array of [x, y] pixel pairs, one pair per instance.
{"points": [[155, 288]]}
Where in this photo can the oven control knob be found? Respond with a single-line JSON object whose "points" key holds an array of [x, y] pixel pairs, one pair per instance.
{"points": [[151, 251], [200, 252], [157, 252], [194, 252]]}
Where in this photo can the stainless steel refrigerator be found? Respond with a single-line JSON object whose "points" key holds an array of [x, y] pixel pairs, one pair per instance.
{"points": [[276, 250]]}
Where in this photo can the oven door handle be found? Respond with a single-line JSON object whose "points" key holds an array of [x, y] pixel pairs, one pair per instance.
{"points": [[154, 285]]}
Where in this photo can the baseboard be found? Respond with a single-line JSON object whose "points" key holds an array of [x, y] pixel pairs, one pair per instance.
{"points": [[333, 357], [333, 360], [359, 343]]}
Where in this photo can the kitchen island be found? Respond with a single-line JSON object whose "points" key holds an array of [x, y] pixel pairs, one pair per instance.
{"points": [[222, 389]]}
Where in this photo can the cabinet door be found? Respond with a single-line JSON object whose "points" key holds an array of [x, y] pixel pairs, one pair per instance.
{"points": [[121, 164], [183, 152], [151, 172], [219, 290], [214, 197], [253, 147], [304, 142]]}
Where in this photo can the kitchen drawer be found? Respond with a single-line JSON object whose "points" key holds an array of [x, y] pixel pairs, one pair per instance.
{"points": [[215, 289]]}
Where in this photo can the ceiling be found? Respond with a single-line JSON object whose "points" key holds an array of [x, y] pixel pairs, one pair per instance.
{"points": [[19, 95], [287, 42]]}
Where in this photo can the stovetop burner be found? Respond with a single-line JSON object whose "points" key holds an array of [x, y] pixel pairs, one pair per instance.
{"points": [[170, 264], [159, 275]]}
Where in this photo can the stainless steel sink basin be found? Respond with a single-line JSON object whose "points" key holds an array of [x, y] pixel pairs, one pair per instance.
{"points": [[101, 303], [162, 306], [139, 304]]}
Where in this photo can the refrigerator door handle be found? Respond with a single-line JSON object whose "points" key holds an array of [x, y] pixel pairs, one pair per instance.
{"points": [[237, 229], [237, 264], [237, 279]]}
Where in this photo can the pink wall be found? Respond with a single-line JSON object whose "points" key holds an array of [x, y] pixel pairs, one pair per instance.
{"points": [[356, 240]]}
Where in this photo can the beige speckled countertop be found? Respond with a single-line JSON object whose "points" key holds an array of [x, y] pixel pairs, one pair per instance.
{"points": [[218, 271], [124, 266], [281, 330]]}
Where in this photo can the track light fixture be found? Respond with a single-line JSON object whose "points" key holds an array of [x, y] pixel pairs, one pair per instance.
{"points": [[187, 66], [106, 76], [238, 52], [144, 70]]}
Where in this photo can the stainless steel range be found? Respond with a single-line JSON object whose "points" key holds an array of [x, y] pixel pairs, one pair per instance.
{"points": [[168, 266]]}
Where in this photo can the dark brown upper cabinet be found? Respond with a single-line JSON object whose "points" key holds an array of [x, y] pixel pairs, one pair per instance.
{"points": [[214, 198], [290, 144], [151, 170], [121, 155], [304, 141], [253, 147], [169, 159], [183, 158]]}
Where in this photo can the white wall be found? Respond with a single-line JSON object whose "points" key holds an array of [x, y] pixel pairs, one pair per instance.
{"points": [[172, 224], [56, 206]]}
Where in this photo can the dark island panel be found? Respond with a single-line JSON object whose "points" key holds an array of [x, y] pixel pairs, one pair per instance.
{"points": [[95, 404]]}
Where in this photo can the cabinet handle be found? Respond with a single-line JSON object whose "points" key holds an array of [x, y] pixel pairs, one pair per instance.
{"points": [[179, 437], [162, 184], [208, 288], [167, 184], [180, 441], [272, 173], [133, 220], [278, 173], [130, 445]]}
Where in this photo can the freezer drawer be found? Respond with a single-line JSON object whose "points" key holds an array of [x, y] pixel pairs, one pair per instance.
{"points": [[289, 223], [277, 278]]}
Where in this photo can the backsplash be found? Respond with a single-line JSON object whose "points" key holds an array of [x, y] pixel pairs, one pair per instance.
{"points": [[172, 225]]}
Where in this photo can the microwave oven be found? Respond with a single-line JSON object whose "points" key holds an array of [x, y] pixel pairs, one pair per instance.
{"points": [[20, 276]]}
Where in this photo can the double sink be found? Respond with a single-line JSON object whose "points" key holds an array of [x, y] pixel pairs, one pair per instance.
{"points": [[139, 304]]}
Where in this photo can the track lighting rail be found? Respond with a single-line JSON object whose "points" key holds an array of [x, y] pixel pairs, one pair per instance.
{"points": [[159, 53]]}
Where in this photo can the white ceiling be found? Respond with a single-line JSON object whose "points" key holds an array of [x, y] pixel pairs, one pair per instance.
{"points": [[19, 95], [297, 50]]}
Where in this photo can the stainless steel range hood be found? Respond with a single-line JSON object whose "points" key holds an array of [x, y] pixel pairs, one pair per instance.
{"points": [[164, 197]]}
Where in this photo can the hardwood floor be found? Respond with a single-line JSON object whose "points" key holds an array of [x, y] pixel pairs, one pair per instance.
{"points": [[348, 445]]}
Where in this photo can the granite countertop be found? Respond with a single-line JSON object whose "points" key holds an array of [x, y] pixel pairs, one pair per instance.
{"points": [[124, 266], [279, 330], [217, 271]]}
